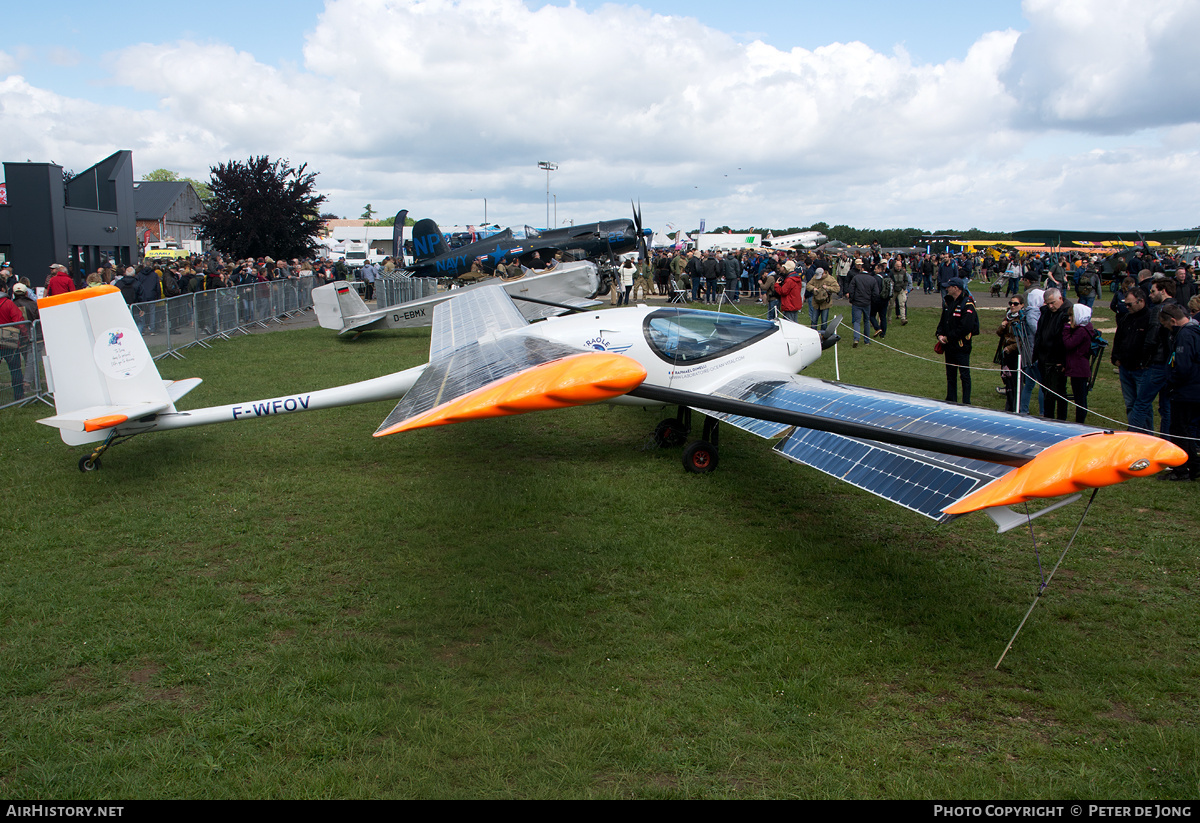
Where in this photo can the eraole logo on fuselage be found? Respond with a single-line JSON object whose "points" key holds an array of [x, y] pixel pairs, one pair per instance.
{"points": [[600, 343]]}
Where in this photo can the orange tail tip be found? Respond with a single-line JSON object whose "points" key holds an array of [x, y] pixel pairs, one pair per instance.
{"points": [[99, 423], [571, 381], [1089, 461], [76, 296]]}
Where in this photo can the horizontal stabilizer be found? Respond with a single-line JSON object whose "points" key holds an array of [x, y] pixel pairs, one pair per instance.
{"points": [[97, 418], [178, 388]]}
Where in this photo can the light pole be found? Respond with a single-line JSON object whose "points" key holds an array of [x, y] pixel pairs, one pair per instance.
{"points": [[549, 167]]}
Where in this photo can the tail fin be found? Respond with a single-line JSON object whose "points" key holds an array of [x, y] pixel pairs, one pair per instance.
{"points": [[99, 367], [427, 240], [336, 304]]}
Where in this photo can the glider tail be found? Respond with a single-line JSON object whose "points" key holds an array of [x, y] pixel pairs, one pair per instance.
{"points": [[337, 304], [100, 370]]}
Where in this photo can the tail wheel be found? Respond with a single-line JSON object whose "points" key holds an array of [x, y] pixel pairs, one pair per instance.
{"points": [[700, 457], [87, 463]]}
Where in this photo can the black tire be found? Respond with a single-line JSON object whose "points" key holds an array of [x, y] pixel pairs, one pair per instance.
{"points": [[700, 457], [668, 434], [600, 292], [87, 464]]}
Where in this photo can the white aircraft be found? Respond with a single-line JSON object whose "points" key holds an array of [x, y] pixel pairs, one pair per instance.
{"points": [[566, 287], [938, 459], [804, 239]]}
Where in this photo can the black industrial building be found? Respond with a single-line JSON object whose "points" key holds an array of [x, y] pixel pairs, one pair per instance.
{"points": [[81, 224]]}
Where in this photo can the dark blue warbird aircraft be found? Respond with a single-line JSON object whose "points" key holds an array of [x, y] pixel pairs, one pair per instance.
{"points": [[604, 238]]}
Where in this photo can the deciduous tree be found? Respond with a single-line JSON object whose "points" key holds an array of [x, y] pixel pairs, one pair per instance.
{"points": [[262, 207]]}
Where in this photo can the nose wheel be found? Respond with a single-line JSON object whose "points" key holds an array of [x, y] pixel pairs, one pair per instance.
{"points": [[699, 457]]}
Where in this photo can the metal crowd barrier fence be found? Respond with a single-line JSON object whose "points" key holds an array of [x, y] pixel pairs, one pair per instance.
{"points": [[167, 326], [394, 289], [21, 378], [176, 323]]}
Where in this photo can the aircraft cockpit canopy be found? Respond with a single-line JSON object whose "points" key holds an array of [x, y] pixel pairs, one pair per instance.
{"points": [[689, 336]]}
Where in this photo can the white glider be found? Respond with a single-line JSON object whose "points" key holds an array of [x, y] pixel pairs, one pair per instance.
{"points": [[538, 294]]}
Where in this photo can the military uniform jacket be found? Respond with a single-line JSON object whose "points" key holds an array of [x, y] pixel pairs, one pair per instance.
{"points": [[959, 322]]}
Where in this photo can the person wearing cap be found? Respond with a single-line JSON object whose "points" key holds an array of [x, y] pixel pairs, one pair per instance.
{"points": [[822, 288], [60, 282], [958, 325], [24, 302]]}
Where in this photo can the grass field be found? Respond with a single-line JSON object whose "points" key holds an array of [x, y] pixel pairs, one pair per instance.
{"points": [[544, 607]]}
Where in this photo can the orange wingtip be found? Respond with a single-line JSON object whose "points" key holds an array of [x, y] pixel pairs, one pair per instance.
{"points": [[74, 296], [106, 422], [1088, 461], [572, 381]]}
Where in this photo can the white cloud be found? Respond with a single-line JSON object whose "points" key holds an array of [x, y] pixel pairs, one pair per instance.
{"points": [[435, 105], [1107, 65]]}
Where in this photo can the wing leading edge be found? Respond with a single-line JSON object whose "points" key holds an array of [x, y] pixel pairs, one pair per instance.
{"points": [[475, 371]]}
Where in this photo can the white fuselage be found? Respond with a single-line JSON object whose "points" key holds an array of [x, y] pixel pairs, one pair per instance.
{"points": [[715, 359], [790, 348]]}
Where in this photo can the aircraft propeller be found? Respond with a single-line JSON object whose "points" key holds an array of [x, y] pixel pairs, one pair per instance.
{"points": [[643, 252]]}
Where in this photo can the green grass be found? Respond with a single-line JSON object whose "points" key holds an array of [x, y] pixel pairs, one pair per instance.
{"points": [[542, 607]]}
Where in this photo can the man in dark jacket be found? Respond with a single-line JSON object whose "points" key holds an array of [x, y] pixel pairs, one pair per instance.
{"points": [[1127, 348], [1183, 383], [1185, 286], [1051, 353], [1156, 351], [710, 270], [958, 325], [862, 290], [149, 290]]}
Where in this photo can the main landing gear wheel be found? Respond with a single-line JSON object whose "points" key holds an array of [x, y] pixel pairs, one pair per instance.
{"points": [[700, 457], [669, 434], [88, 463]]}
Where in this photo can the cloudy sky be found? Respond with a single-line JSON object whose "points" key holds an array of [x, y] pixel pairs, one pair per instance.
{"points": [[998, 114]]}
